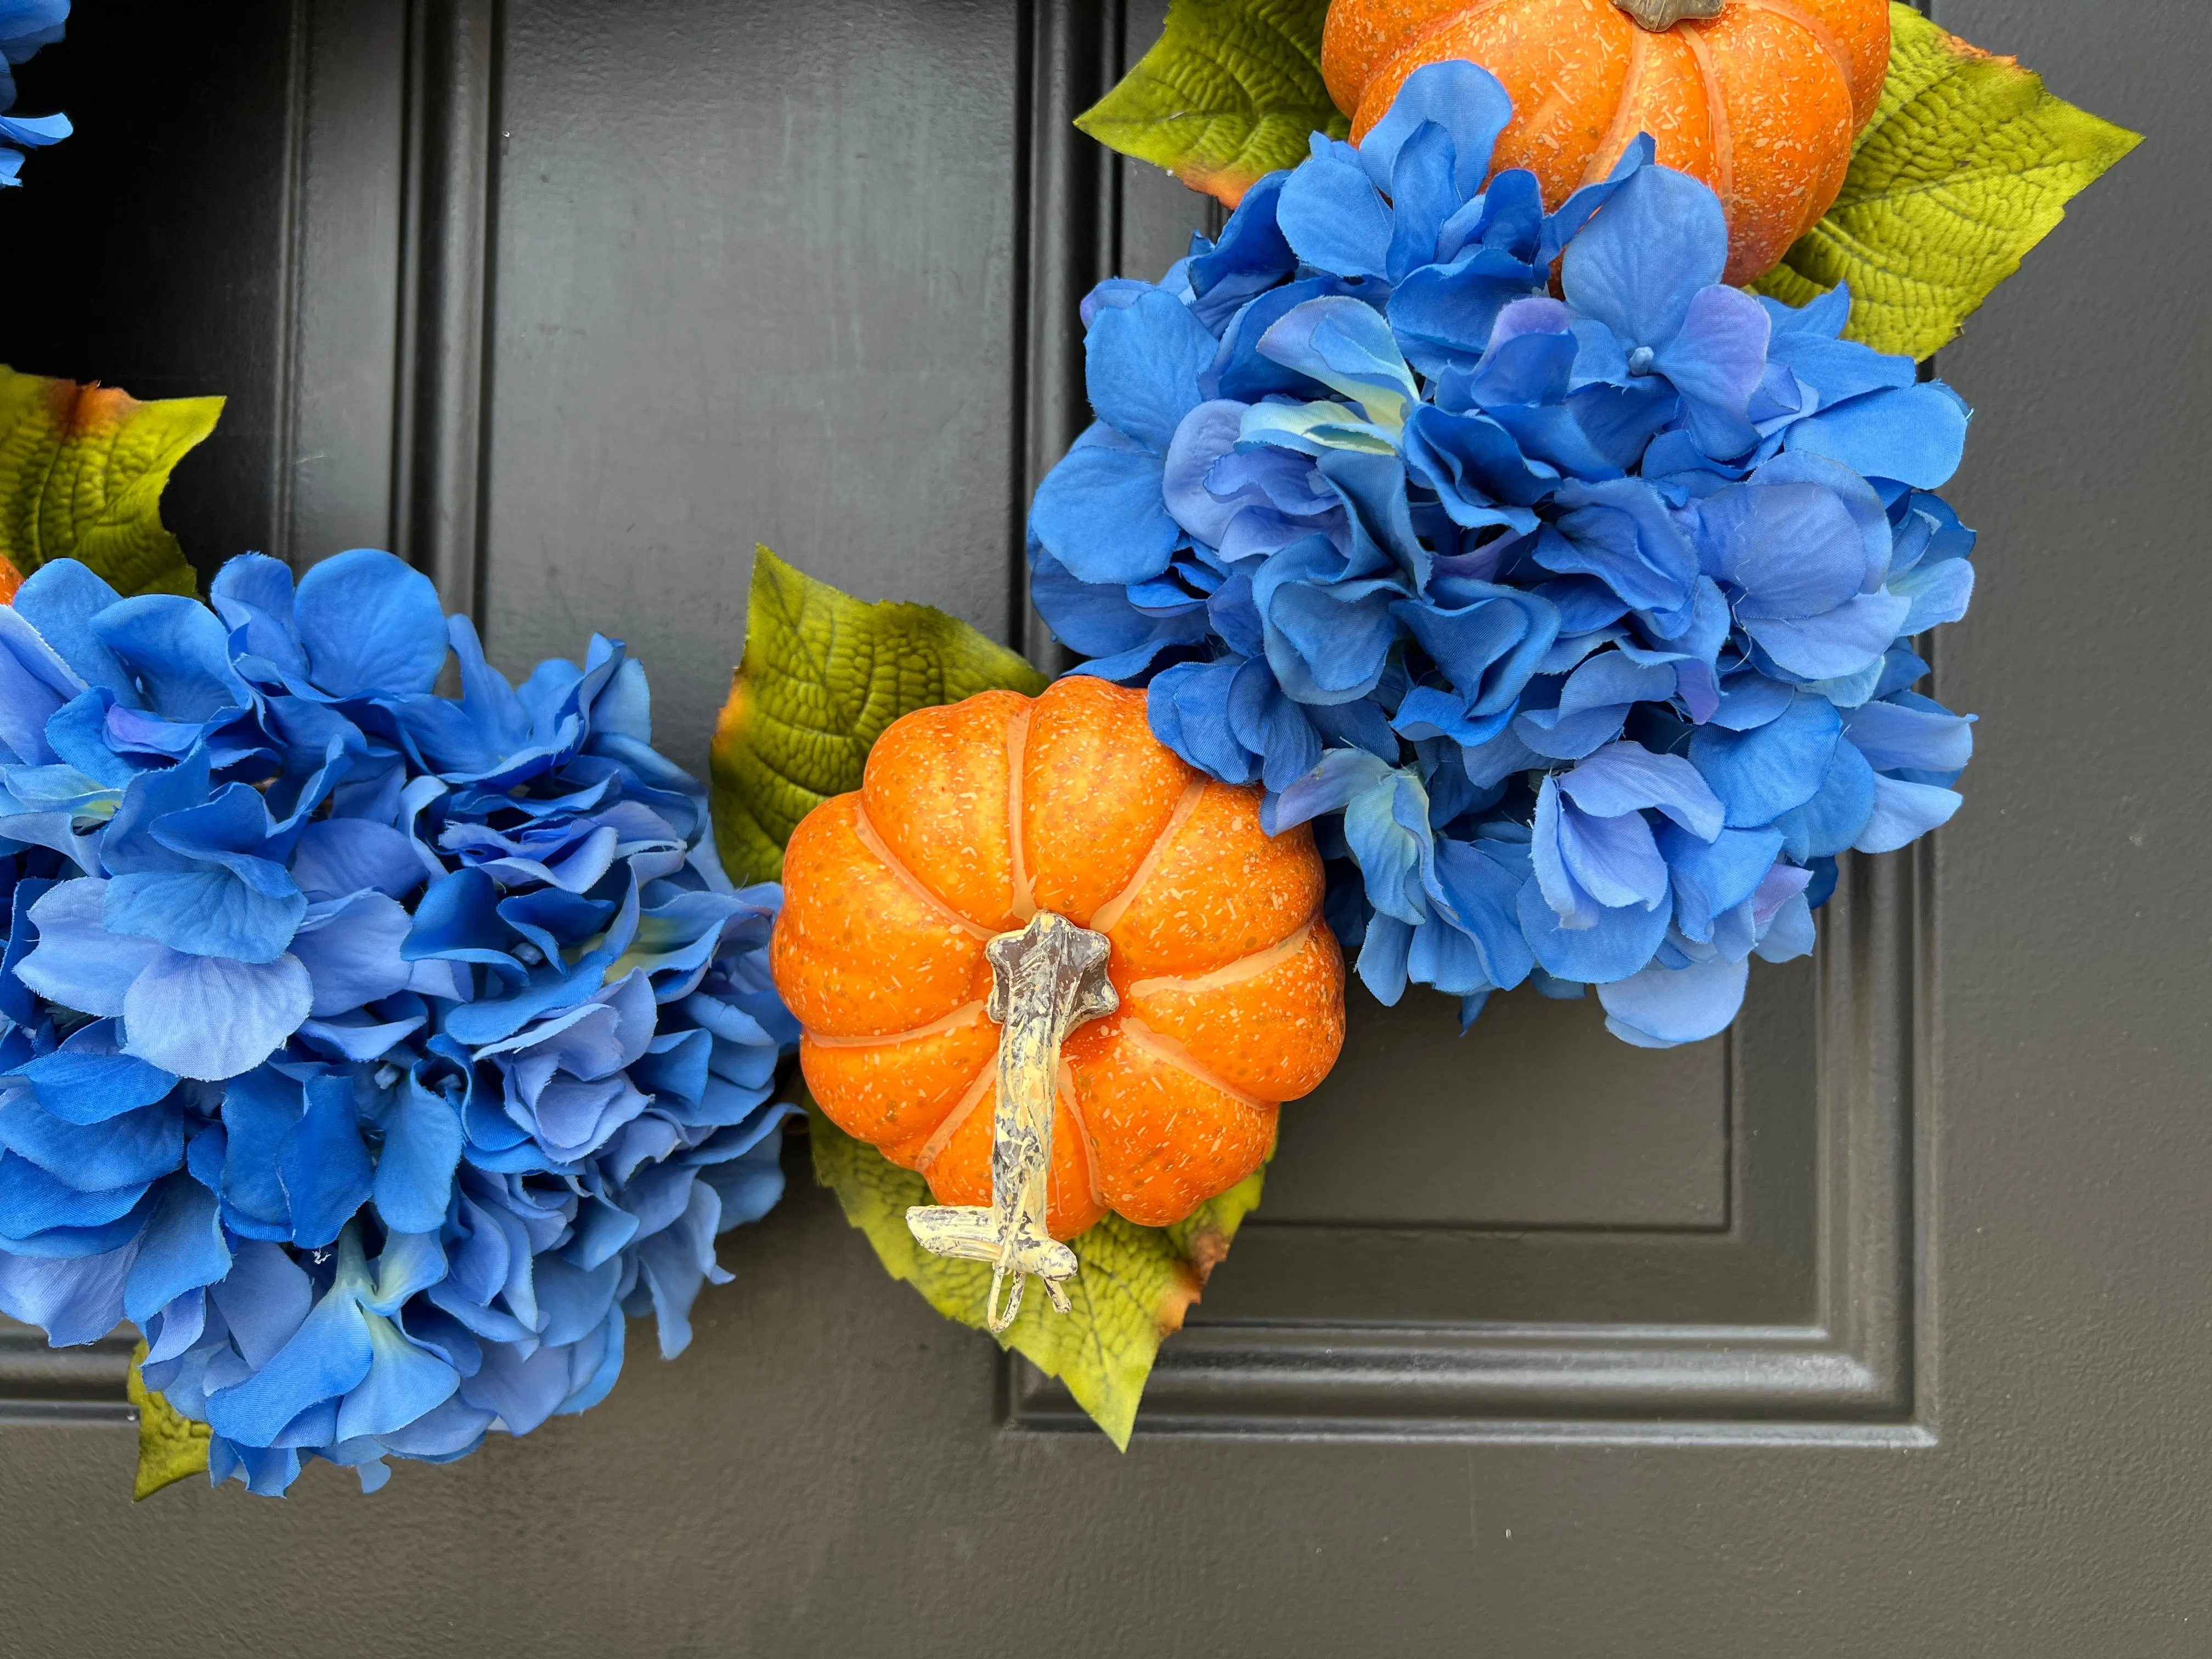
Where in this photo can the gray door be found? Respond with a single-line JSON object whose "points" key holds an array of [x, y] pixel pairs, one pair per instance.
{"points": [[1879, 1326]]}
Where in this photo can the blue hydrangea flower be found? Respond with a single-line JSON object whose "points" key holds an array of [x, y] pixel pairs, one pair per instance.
{"points": [[24, 26], [377, 1053], [1568, 591]]}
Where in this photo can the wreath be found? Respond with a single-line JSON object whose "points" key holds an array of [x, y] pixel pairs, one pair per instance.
{"points": [[1498, 559]]}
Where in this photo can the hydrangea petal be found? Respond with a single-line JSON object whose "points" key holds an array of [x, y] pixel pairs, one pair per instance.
{"points": [[77, 963], [1662, 1007], [211, 1017], [1903, 812], [1618, 943], [370, 623]]}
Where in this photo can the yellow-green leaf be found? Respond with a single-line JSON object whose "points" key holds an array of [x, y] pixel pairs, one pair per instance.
{"points": [[1134, 1287], [82, 473], [171, 1446], [823, 675], [1231, 91], [1967, 164]]}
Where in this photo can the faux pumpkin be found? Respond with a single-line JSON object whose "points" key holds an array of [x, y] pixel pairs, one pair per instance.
{"points": [[1027, 828], [1761, 99]]}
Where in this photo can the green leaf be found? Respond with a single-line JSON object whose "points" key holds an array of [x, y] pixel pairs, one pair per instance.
{"points": [[1231, 91], [1134, 1288], [171, 1446], [823, 675], [82, 473], [1967, 164]]}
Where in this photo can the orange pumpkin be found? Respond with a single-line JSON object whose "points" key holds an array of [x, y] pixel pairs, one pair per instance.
{"points": [[1761, 99], [972, 822]]}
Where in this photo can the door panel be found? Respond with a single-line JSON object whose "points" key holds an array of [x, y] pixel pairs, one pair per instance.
{"points": [[1874, 1326], [753, 282]]}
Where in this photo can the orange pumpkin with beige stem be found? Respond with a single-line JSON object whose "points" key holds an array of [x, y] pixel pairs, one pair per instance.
{"points": [[1045, 963], [1761, 99]]}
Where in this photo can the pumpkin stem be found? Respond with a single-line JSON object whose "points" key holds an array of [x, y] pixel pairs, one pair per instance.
{"points": [[1045, 979], [1657, 14]]}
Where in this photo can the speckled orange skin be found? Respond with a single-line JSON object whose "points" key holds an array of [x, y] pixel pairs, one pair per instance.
{"points": [[1761, 102], [1231, 986]]}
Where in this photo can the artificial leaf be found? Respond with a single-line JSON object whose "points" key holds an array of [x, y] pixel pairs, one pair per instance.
{"points": [[1967, 164], [1134, 1286], [82, 473], [171, 1446], [824, 674], [1231, 91]]}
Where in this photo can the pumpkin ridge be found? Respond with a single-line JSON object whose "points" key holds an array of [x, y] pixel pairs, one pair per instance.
{"points": [[1103, 918], [1169, 1052], [1823, 37], [1615, 141], [1023, 899], [1724, 186], [966, 1014], [1065, 1093], [963, 1110], [1232, 973], [864, 832]]}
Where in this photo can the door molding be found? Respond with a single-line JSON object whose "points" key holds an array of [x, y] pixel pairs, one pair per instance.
{"points": [[1847, 1370]]}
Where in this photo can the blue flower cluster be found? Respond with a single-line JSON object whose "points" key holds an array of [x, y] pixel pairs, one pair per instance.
{"points": [[24, 26], [1589, 614], [376, 1052]]}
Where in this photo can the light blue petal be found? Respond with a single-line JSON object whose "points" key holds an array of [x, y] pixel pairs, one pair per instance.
{"points": [[328, 1356], [1576, 909], [1141, 364], [1899, 737], [1342, 775], [1346, 344], [1762, 773], [1661, 1007], [370, 623], [60, 598], [1626, 777], [350, 948], [1102, 514], [127, 1150], [1837, 642], [1903, 812], [1713, 877], [203, 913], [1661, 238], [323, 1163], [73, 1300], [1938, 593], [182, 1249], [1614, 859], [404, 1383], [1790, 934], [87, 1081], [1618, 944], [338, 857], [209, 1017], [1915, 434], [1825, 825], [34, 684], [1465, 99], [1333, 218], [77, 963], [179, 652]]}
